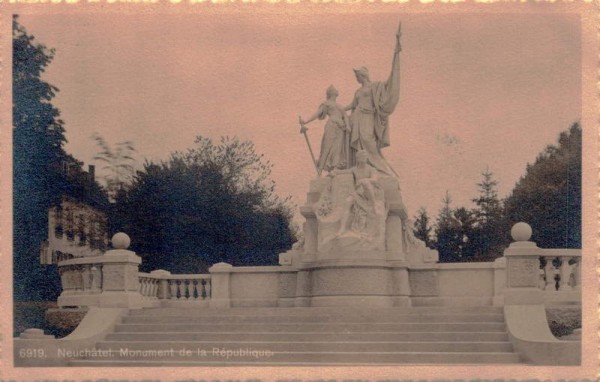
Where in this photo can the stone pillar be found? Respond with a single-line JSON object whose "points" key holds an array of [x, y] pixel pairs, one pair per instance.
{"points": [[120, 279], [220, 279], [393, 230], [163, 283], [310, 228], [499, 281], [522, 268]]}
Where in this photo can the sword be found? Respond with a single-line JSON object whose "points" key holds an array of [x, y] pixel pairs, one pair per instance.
{"points": [[303, 131]]}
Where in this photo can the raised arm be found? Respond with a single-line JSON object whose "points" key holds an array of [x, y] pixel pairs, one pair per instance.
{"points": [[320, 114], [394, 79]]}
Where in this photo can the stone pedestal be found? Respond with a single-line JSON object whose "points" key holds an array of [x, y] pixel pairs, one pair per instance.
{"points": [[220, 275], [522, 274], [355, 282], [120, 280], [360, 262]]}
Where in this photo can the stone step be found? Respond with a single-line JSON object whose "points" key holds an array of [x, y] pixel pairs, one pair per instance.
{"points": [[316, 327], [312, 311], [309, 336], [395, 317], [306, 346], [306, 358]]}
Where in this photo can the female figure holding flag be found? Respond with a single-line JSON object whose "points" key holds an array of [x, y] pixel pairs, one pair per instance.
{"points": [[373, 103]]}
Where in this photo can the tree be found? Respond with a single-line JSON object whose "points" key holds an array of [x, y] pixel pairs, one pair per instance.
{"points": [[42, 171], [454, 230], [490, 232], [213, 203], [38, 138], [548, 196], [422, 227], [118, 164], [445, 234]]}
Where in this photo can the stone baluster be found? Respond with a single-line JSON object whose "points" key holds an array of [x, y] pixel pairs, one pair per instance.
{"points": [[162, 283], [565, 274], [542, 279], [155, 283], [144, 286], [96, 275], [79, 278], [202, 290], [207, 286], [86, 277], [194, 289], [549, 273], [181, 289], [577, 275], [174, 289]]}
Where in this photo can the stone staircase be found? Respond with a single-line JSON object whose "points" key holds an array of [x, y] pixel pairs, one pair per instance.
{"points": [[306, 336]]}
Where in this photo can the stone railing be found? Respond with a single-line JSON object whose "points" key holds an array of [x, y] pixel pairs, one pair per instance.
{"points": [[560, 270], [81, 280], [554, 274], [162, 285]]}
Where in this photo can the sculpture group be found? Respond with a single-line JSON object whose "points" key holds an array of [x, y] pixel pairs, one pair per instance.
{"points": [[352, 144], [367, 126]]}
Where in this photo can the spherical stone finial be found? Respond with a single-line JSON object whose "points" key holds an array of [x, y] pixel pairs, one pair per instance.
{"points": [[521, 232], [120, 240]]}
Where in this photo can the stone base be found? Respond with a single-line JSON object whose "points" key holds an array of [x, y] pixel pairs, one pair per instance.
{"points": [[363, 301], [66, 300], [353, 282], [451, 301], [131, 300]]}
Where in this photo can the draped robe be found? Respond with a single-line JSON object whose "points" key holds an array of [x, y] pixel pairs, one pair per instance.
{"points": [[371, 108]]}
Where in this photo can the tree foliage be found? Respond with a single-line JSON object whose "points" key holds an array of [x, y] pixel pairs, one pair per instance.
{"points": [[548, 196], [422, 227], [490, 229], [213, 203], [38, 136], [42, 171]]}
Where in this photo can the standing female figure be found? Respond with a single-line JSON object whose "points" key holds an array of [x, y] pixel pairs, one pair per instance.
{"points": [[334, 147], [373, 103]]}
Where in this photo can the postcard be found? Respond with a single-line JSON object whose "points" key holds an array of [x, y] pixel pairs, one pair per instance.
{"points": [[299, 191]]}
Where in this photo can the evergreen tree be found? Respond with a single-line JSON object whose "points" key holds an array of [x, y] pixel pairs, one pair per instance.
{"points": [[548, 196], [422, 227], [490, 233], [445, 232]]}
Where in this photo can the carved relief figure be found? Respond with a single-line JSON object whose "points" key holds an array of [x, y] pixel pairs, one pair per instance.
{"points": [[334, 147], [372, 104], [362, 222]]}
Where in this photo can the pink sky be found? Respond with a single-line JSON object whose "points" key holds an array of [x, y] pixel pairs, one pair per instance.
{"points": [[502, 86]]}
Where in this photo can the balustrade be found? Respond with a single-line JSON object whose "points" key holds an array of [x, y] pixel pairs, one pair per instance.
{"points": [[175, 287], [560, 270], [149, 286], [81, 278]]}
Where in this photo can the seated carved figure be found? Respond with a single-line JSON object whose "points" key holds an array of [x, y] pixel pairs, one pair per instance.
{"points": [[363, 212]]}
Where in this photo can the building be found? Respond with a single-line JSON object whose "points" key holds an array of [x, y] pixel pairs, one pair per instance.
{"points": [[78, 226]]}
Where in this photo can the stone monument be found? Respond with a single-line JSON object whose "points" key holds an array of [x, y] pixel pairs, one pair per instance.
{"points": [[358, 245]]}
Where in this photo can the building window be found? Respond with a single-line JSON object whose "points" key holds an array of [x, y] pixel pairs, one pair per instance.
{"points": [[70, 225], [81, 230]]}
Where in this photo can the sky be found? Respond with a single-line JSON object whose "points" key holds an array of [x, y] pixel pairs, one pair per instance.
{"points": [[477, 90]]}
